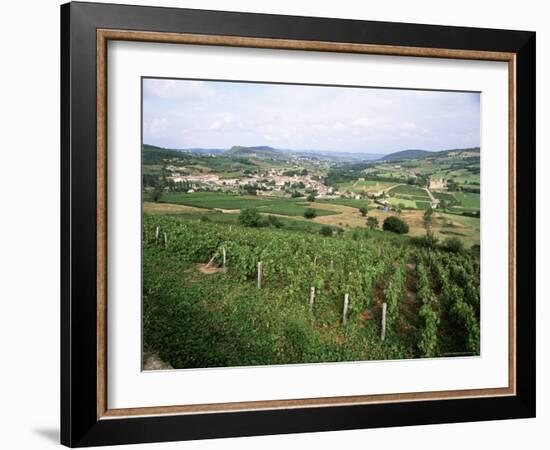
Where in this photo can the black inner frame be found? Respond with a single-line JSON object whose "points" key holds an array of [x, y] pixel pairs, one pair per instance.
{"points": [[79, 423]]}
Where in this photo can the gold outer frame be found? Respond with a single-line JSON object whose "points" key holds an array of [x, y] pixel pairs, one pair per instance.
{"points": [[104, 35]]}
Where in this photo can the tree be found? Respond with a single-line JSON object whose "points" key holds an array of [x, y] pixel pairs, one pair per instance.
{"points": [[364, 210], [250, 189], [427, 218], [395, 225], [310, 213], [311, 197], [156, 194], [326, 231], [250, 217], [296, 194], [372, 223]]}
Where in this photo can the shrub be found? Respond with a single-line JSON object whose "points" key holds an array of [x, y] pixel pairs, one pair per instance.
{"points": [[250, 217], [363, 210], [310, 213], [273, 221], [296, 194], [454, 245], [311, 198], [372, 223], [395, 225], [326, 230], [156, 194], [427, 241], [205, 219]]}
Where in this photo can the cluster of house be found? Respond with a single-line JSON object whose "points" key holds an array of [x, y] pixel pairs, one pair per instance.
{"points": [[269, 181]]}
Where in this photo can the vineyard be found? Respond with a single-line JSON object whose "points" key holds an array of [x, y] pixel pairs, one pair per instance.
{"points": [[225, 295]]}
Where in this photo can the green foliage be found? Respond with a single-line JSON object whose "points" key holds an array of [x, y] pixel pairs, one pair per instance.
{"points": [[296, 194], [197, 320], [364, 211], [311, 197], [274, 221], [156, 193], [326, 231], [395, 225], [310, 213], [427, 343], [372, 223], [250, 217], [453, 244]]}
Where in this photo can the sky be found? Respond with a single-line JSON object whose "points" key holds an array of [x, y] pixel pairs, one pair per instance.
{"points": [[216, 114]]}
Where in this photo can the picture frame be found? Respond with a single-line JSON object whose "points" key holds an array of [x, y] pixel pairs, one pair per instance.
{"points": [[86, 29]]}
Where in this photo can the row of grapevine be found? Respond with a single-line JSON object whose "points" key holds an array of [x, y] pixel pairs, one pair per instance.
{"points": [[366, 270], [427, 343], [461, 303]]}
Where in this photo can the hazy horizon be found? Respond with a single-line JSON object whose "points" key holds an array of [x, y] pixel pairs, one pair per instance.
{"points": [[183, 114]]}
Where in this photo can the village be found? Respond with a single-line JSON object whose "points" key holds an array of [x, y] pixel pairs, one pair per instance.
{"points": [[293, 181]]}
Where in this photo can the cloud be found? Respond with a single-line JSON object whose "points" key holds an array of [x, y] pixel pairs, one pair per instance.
{"points": [[180, 113], [177, 89]]}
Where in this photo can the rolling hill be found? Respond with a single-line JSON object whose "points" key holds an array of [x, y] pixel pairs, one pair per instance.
{"points": [[418, 154]]}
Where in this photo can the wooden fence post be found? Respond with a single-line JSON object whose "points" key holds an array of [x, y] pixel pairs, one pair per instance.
{"points": [[165, 240], [383, 332], [345, 313], [223, 257], [311, 298], [260, 274], [157, 231]]}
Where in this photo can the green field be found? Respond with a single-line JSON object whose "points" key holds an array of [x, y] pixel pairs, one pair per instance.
{"points": [[468, 200], [345, 202], [217, 217], [445, 196], [409, 190], [210, 200], [395, 201]]}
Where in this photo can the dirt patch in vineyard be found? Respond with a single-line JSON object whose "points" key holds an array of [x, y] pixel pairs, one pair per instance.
{"points": [[169, 208], [209, 270], [228, 211], [152, 361]]}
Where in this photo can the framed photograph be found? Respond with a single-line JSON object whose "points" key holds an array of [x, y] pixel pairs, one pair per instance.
{"points": [[276, 224]]}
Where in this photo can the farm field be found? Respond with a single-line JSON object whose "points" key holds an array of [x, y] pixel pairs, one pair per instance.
{"points": [[189, 324], [468, 200], [409, 191], [213, 200]]}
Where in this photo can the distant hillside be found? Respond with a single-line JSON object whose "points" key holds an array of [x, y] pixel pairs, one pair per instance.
{"points": [[204, 151], [155, 155], [416, 154], [260, 152]]}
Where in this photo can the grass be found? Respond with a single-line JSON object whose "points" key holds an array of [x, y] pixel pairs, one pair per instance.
{"points": [[196, 214], [445, 196], [293, 209], [210, 200], [394, 201], [405, 189], [344, 202], [468, 200]]}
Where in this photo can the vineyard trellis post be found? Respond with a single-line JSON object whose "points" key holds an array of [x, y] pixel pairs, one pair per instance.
{"points": [[223, 257], [260, 274], [383, 332], [157, 231], [345, 312], [165, 240], [311, 298]]}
